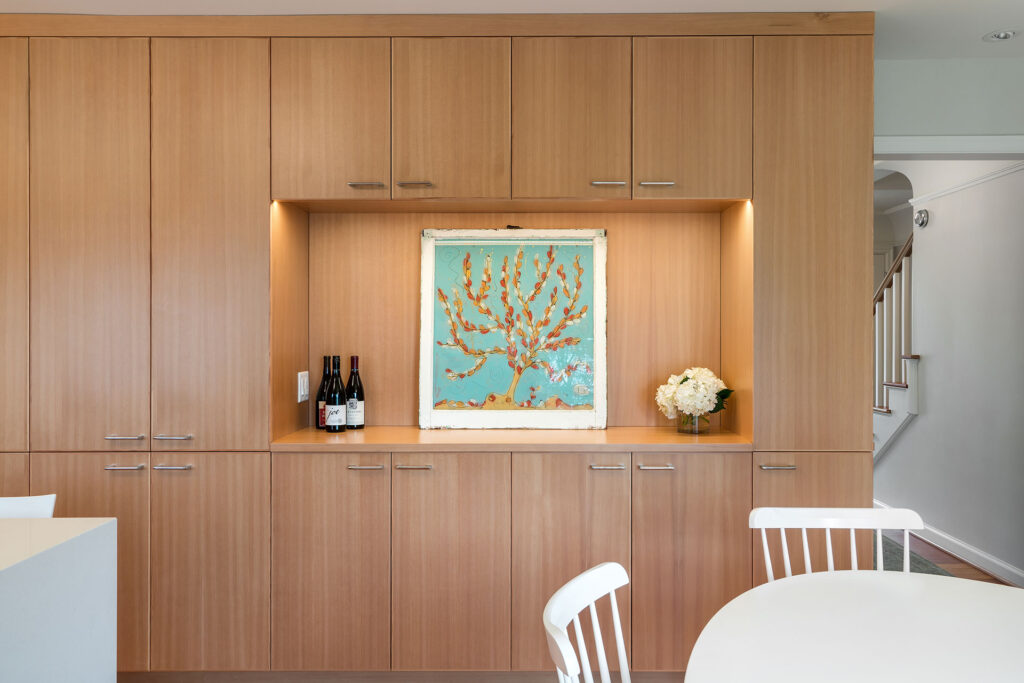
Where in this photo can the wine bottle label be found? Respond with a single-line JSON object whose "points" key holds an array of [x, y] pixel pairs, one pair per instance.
{"points": [[334, 416], [321, 413], [355, 412]]}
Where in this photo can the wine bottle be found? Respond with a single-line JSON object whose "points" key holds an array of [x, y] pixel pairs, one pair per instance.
{"points": [[334, 412], [356, 397], [321, 393]]}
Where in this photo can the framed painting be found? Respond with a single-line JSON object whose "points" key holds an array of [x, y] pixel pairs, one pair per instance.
{"points": [[513, 329]]}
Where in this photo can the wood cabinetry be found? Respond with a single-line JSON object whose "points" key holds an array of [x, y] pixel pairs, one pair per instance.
{"points": [[14, 244], [571, 117], [210, 540], [450, 550], [567, 516], [451, 126], [210, 241], [14, 474], [812, 256], [331, 590], [692, 117], [330, 111], [690, 552], [88, 485], [90, 243], [808, 479]]}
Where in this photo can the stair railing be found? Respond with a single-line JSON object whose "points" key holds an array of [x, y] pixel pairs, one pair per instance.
{"points": [[893, 327]]}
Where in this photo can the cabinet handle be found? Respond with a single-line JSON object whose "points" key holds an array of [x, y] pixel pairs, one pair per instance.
{"points": [[607, 467], [358, 184], [115, 437], [657, 183], [614, 183], [770, 468], [172, 467], [366, 467], [125, 467], [171, 437], [414, 183], [655, 467], [414, 467]]}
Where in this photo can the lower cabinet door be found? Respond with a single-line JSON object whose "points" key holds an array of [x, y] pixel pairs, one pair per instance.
{"points": [[110, 485], [691, 551], [451, 550], [331, 575], [811, 479], [13, 474], [570, 512], [210, 561]]}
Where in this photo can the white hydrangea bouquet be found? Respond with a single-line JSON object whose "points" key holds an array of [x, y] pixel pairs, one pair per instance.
{"points": [[692, 396]]}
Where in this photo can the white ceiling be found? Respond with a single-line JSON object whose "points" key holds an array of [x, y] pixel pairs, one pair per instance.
{"points": [[905, 29]]}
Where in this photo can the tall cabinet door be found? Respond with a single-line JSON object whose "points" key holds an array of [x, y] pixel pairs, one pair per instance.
{"points": [[690, 549], [211, 243], [691, 117], [110, 485], [330, 111], [90, 243], [210, 561], [570, 511], [13, 245], [450, 549], [570, 117], [451, 130], [812, 280]]}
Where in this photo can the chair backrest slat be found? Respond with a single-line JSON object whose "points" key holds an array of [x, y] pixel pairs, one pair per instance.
{"points": [[620, 642], [828, 550], [602, 659], [906, 551], [785, 553], [880, 563], [807, 550], [582, 645], [853, 551], [767, 554]]}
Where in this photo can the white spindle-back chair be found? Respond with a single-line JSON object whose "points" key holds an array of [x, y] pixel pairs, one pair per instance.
{"points": [[874, 519], [565, 607], [28, 507]]}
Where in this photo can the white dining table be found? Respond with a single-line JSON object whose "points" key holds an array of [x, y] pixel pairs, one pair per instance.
{"points": [[865, 626]]}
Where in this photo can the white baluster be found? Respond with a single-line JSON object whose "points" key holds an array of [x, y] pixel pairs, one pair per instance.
{"points": [[878, 552], [879, 354], [887, 322], [907, 319], [897, 328]]}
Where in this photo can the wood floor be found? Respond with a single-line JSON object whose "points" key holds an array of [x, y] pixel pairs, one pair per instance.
{"points": [[952, 564]]}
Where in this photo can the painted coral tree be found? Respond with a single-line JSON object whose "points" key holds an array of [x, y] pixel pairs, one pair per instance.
{"points": [[522, 337]]}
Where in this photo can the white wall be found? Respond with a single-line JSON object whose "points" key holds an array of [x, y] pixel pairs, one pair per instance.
{"points": [[961, 462]]}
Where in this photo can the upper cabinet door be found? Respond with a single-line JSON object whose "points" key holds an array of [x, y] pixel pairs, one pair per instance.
{"points": [[13, 246], [89, 115], [211, 243], [570, 117], [330, 108], [451, 130], [692, 117]]}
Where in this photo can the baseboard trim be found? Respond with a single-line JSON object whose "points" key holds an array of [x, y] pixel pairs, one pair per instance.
{"points": [[968, 553]]}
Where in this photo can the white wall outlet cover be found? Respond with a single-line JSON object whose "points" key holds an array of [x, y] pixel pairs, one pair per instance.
{"points": [[303, 386]]}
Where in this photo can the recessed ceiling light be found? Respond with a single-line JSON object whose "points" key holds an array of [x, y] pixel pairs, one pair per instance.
{"points": [[998, 36]]}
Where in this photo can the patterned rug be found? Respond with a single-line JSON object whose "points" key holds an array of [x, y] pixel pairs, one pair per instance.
{"points": [[892, 552]]}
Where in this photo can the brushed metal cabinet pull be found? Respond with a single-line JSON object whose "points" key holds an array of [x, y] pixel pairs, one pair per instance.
{"points": [[414, 183], [172, 467], [771, 468], [361, 184], [655, 467], [613, 183], [656, 183], [414, 467], [125, 467], [607, 467], [366, 467], [172, 437], [115, 437]]}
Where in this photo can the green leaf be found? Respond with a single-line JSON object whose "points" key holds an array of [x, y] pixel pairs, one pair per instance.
{"points": [[722, 395]]}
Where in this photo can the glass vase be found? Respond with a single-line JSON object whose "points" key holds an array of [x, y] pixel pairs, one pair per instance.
{"points": [[693, 424]]}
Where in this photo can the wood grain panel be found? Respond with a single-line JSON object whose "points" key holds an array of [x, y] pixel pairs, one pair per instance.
{"points": [[451, 123], [211, 242], [90, 243], [738, 317], [819, 480], [331, 588], [14, 471], [812, 281], [210, 559], [85, 489], [690, 552], [14, 244], [330, 108], [662, 318], [566, 518], [451, 553], [570, 117], [289, 317]]}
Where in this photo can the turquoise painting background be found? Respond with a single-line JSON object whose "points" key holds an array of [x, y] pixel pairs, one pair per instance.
{"points": [[495, 376]]}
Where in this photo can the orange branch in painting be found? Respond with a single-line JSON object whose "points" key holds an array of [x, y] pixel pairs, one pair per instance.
{"points": [[524, 337]]}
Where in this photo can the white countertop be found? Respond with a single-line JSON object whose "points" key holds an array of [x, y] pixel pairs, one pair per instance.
{"points": [[21, 539]]}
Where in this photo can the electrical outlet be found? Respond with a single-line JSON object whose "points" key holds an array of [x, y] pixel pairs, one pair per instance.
{"points": [[303, 386]]}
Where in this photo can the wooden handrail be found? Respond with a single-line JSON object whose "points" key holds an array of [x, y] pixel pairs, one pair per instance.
{"points": [[897, 266]]}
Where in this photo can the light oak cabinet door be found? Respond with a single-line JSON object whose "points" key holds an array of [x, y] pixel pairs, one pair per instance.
{"points": [[210, 558], [331, 588], [90, 244], [14, 245], [571, 117], [690, 549], [811, 480], [211, 243], [450, 549], [14, 474], [451, 127], [691, 117], [330, 109], [812, 256], [566, 518], [110, 485]]}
